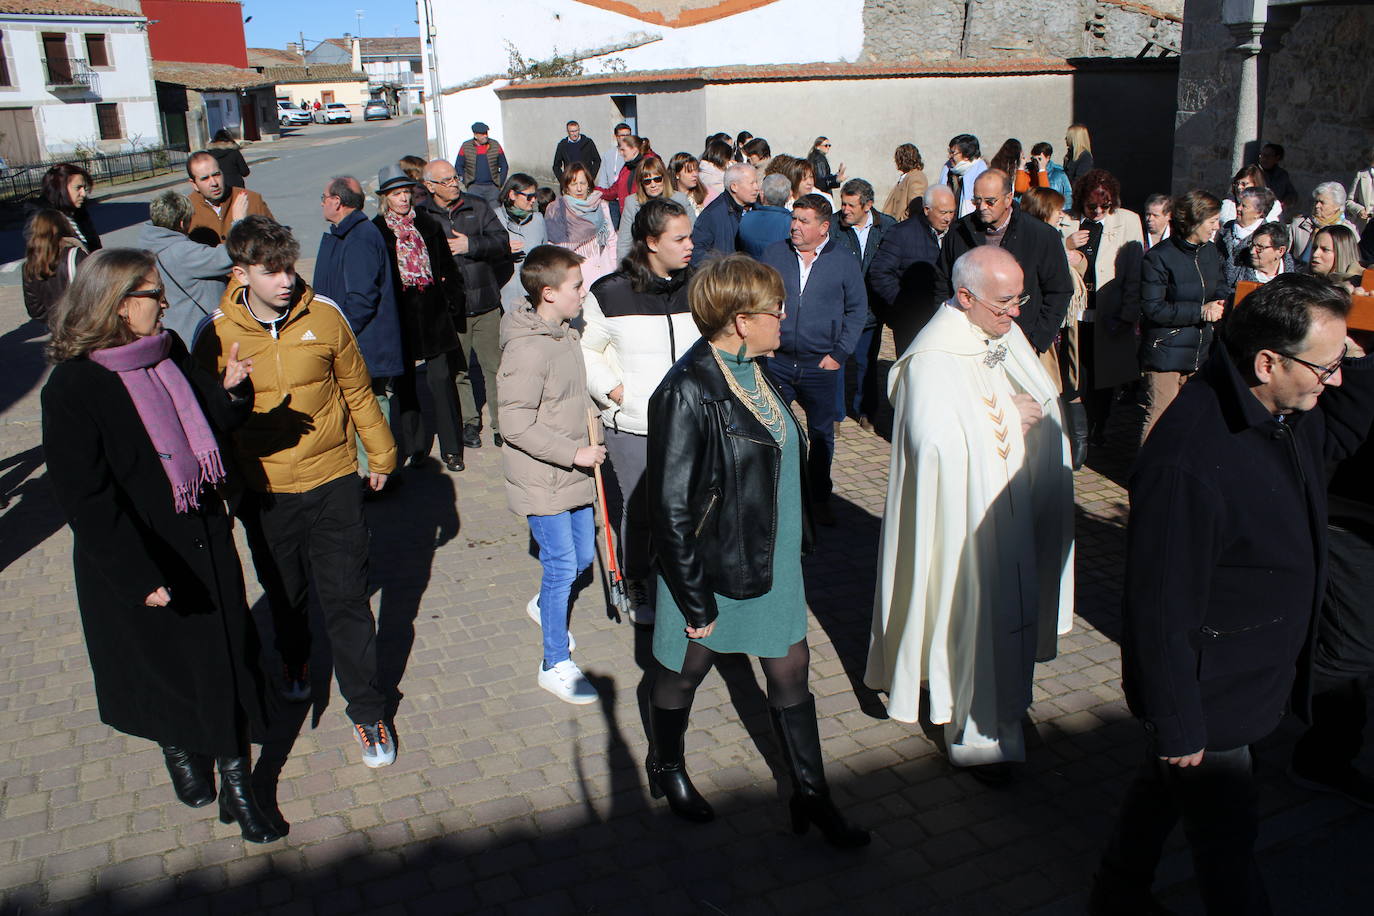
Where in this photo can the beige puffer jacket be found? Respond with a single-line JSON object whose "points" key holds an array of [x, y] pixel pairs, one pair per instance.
{"points": [[543, 403]]}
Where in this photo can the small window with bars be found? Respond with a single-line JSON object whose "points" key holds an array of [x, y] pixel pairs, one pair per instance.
{"points": [[97, 52], [107, 114]]}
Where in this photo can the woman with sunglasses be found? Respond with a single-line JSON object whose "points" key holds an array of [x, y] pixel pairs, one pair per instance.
{"points": [[651, 181], [130, 429], [519, 214], [730, 520]]}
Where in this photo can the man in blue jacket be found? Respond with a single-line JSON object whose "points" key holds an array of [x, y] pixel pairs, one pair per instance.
{"points": [[901, 279], [354, 269], [717, 226], [823, 318], [769, 221], [860, 228]]}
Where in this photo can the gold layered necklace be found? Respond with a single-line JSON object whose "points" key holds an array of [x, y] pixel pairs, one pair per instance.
{"points": [[760, 402]]}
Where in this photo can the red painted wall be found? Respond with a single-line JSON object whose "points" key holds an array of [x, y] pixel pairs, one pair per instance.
{"points": [[205, 33]]}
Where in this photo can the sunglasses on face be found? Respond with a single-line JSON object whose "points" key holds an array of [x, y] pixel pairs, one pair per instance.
{"points": [[654, 179], [157, 292]]}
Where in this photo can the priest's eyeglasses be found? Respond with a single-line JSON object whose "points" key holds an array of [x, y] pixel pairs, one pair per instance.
{"points": [[1001, 308], [1323, 372]]}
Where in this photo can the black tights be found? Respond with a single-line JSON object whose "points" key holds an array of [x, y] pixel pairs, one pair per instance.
{"points": [[786, 677]]}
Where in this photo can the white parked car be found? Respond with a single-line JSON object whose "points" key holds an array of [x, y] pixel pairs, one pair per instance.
{"points": [[290, 114], [334, 113]]}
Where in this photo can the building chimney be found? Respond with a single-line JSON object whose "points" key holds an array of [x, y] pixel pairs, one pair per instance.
{"points": [[293, 48], [357, 55]]}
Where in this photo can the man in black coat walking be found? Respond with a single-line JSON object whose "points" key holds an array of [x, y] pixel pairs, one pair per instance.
{"points": [[901, 279], [1225, 564], [1037, 247], [575, 148]]}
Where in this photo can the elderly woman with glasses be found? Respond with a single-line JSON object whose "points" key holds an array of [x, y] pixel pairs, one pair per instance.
{"points": [[1328, 209], [131, 429], [730, 520]]}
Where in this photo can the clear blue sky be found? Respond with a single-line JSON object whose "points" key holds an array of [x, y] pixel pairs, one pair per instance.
{"points": [[276, 22]]}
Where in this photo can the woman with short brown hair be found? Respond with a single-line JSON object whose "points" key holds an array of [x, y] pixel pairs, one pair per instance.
{"points": [[911, 183], [730, 520], [129, 429]]}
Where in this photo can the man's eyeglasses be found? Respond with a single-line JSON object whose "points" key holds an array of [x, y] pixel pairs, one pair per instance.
{"points": [[452, 179], [987, 201], [1323, 372], [1001, 308], [157, 292]]}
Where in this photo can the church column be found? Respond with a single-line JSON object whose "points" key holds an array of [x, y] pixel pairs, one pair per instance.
{"points": [[1246, 135]]}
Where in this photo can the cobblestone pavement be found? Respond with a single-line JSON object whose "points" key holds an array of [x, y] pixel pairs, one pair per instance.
{"points": [[504, 800]]}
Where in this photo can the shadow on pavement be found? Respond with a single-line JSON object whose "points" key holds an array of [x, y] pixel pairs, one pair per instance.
{"points": [[21, 353], [31, 514]]}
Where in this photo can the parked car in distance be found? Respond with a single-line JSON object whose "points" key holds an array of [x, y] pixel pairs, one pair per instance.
{"points": [[334, 113], [290, 114], [376, 109]]}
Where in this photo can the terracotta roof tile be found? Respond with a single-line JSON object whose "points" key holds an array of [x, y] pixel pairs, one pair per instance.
{"points": [[208, 76], [676, 14], [64, 8], [781, 72], [381, 46], [314, 73], [272, 57]]}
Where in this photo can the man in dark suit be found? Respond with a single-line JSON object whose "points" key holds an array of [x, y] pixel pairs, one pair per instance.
{"points": [[901, 280], [1037, 247], [860, 228], [1221, 587], [824, 316]]}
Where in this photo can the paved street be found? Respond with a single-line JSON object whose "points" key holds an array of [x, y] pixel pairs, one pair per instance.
{"points": [[503, 799]]}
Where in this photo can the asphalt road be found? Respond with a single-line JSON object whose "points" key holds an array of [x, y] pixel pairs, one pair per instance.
{"points": [[291, 181]]}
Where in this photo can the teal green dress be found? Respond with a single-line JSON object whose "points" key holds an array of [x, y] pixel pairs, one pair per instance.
{"points": [[769, 625]]}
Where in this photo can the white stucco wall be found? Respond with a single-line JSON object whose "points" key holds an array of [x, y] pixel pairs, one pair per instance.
{"points": [[131, 76]]}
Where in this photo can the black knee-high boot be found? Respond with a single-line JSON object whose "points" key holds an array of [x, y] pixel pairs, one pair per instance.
{"points": [[237, 802], [193, 775], [665, 766], [801, 747]]}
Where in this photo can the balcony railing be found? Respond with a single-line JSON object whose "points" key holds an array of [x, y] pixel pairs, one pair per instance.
{"points": [[71, 73]]}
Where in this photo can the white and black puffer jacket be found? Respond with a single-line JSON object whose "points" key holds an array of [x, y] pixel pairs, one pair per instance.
{"points": [[633, 339]]}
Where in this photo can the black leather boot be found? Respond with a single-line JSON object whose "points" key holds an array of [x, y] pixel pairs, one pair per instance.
{"points": [[193, 775], [801, 748], [667, 772], [1076, 418], [237, 802]]}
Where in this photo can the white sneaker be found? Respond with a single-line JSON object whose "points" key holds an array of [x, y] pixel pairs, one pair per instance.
{"points": [[533, 610], [567, 682], [641, 608]]}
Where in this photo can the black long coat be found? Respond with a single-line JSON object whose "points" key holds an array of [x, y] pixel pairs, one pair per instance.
{"points": [[430, 319], [177, 674]]}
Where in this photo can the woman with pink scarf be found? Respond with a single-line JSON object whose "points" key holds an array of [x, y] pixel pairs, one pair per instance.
{"points": [[429, 297], [579, 220], [130, 428]]}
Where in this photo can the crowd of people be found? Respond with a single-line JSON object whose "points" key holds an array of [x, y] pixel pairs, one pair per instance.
{"points": [[655, 319]]}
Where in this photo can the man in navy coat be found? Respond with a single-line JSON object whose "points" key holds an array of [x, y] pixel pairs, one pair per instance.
{"points": [[353, 268], [824, 315]]}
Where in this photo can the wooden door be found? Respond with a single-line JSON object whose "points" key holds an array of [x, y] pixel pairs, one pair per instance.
{"points": [[19, 145], [248, 107], [326, 96]]}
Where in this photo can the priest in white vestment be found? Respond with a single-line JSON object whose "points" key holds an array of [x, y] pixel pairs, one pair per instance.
{"points": [[976, 579]]}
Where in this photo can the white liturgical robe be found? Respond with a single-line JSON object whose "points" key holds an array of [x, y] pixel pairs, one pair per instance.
{"points": [[976, 576]]}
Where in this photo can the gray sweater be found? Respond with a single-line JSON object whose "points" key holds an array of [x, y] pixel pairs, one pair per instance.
{"points": [[193, 274]]}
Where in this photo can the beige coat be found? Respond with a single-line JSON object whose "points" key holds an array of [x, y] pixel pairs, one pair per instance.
{"points": [[1118, 299], [1360, 198], [543, 403], [909, 187]]}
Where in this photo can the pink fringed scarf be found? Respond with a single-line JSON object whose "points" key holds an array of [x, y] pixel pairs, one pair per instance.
{"points": [[170, 413]]}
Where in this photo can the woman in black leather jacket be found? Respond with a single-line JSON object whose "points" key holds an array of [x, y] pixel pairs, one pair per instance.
{"points": [[1182, 296], [730, 521]]}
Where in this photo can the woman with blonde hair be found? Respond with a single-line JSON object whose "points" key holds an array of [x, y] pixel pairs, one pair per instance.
{"points": [[910, 185], [1336, 256], [580, 221], [1078, 154], [51, 256], [730, 520], [130, 427]]}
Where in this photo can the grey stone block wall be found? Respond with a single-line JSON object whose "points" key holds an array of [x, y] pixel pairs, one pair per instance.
{"points": [[935, 30]]}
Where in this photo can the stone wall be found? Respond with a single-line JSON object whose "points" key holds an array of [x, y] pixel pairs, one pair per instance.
{"points": [[948, 29], [1316, 90]]}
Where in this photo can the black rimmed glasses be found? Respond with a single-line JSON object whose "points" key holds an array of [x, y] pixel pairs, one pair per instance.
{"points": [[653, 179], [157, 292], [1323, 372]]}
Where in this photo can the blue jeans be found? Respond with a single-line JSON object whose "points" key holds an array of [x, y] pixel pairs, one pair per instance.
{"points": [[567, 546], [867, 397], [814, 389]]}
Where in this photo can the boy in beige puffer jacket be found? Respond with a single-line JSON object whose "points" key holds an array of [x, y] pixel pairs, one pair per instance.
{"points": [[543, 406]]}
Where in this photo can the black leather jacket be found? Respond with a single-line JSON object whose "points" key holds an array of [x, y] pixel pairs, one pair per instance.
{"points": [[713, 482]]}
